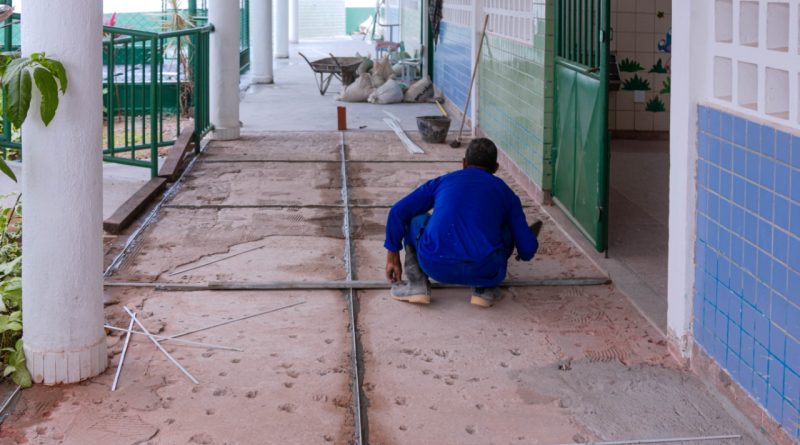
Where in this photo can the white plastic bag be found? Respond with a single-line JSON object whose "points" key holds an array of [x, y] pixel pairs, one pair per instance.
{"points": [[389, 93]]}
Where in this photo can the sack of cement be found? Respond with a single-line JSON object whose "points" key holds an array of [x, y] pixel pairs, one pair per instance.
{"points": [[381, 72], [419, 91], [366, 64], [358, 91], [397, 68], [389, 93]]}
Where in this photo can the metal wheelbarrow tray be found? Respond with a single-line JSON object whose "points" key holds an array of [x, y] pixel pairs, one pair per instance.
{"points": [[342, 68]]}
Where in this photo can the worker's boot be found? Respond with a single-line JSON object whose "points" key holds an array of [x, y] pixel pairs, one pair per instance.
{"points": [[417, 288], [485, 296]]}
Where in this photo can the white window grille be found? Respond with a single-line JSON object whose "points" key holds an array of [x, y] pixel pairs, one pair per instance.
{"points": [[756, 58], [458, 12], [511, 19]]}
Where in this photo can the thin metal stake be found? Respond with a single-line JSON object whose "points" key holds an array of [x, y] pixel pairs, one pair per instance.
{"points": [[216, 261], [173, 337], [186, 342], [9, 399], [161, 348], [122, 356], [655, 441]]}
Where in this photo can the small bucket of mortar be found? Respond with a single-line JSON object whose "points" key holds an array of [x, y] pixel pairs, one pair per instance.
{"points": [[433, 128]]}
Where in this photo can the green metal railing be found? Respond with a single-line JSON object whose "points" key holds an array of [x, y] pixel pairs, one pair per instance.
{"points": [[154, 82]]}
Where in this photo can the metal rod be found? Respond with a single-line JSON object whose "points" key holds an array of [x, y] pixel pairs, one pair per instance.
{"points": [[654, 441], [122, 356], [186, 342], [9, 399], [149, 219], [161, 348], [182, 334], [343, 284], [216, 261], [360, 427]]}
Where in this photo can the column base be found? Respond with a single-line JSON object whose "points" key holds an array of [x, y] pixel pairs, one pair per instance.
{"points": [[262, 79], [54, 368], [226, 134]]}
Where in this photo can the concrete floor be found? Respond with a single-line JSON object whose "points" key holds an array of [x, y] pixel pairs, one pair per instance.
{"points": [[548, 365]]}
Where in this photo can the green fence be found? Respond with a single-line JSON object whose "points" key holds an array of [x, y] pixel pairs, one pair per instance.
{"points": [[154, 84]]}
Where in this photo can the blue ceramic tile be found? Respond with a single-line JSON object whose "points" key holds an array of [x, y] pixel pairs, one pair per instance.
{"points": [[759, 388], [723, 276], [780, 245], [746, 377], [738, 186], [713, 178], [726, 155], [794, 252], [766, 174], [737, 219], [747, 348], [751, 197], [739, 131], [713, 207], [794, 218], [753, 136], [767, 141], [763, 295], [749, 258], [796, 151], [761, 335], [714, 150], [725, 181], [782, 175], [764, 235], [726, 126], [781, 212], [765, 204], [794, 284], [795, 184], [753, 166], [775, 379], [721, 327], [749, 318], [777, 343], [775, 404], [732, 363], [793, 355], [791, 386], [780, 278], [791, 419], [736, 271], [724, 243], [764, 272], [739, 161], [793, 321], [783, 147]]}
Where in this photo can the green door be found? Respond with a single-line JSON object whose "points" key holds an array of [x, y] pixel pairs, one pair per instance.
{"points": [[580, 140]]}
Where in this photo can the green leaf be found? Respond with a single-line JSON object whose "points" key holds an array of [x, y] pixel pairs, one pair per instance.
{"points": [[48, 88], [19, 95], [57, 69], [6, 170], [9, 370], [20, 376]]}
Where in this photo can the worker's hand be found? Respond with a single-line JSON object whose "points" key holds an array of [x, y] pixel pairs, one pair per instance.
{"points": [[394, 270]]}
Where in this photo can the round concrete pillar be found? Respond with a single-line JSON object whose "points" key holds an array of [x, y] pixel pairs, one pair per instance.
{"points": [[294, 21], [282, 29], [261, 41], [224, 68], [62, 188]]}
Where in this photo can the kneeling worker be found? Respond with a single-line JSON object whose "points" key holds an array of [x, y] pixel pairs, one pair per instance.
{"points": [[477, 221]]}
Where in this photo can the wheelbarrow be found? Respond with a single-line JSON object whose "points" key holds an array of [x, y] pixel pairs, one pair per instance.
{"points": [[342, 68]]}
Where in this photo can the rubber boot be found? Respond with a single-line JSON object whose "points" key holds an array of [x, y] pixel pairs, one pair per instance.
{"points": [[485, 296], [417, 289]]}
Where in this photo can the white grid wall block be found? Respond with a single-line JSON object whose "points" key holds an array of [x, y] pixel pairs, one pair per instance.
{"points": [[511, 19], [755, 60], [458, 12]]}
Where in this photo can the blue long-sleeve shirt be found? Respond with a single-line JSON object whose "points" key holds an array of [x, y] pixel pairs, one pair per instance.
{"points": [[476, 222]]}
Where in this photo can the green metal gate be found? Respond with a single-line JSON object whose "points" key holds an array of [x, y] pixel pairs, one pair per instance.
{"points": [[580, 142]]}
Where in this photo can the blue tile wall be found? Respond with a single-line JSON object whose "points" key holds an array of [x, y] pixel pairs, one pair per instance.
{"points": [[747, 257], [452, 62]]}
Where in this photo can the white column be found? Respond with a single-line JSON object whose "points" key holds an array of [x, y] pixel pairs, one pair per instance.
{"points": [[62, 188], [282, 29], [261, 41], [691, 34], [294, 21], [224, 69]]}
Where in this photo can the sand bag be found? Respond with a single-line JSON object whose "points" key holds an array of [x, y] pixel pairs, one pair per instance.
{"points": [[366, 64], [381, 72], [389, 93], [420, 91], [358, 91]]}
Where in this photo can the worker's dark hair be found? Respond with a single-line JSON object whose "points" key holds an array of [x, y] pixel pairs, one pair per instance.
{"points": [[482, 153]]}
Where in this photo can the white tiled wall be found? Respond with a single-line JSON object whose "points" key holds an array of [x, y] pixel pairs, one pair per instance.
{"points": [[638, 26]]}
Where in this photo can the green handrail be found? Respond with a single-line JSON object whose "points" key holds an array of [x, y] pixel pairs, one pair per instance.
{"points": [[154, 83]]}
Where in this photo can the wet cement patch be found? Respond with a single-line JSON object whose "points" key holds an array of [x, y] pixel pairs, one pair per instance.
{"points": [[298, 244]]}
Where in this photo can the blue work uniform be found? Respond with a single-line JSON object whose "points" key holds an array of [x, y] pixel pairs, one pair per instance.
{"points": [[476, 222]]}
